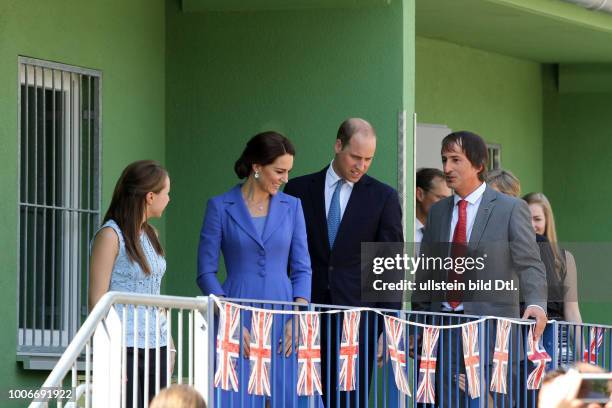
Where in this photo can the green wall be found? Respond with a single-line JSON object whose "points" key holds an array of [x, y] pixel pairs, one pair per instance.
{"points": [[496, 96], [126, 41], [577, 157], [301, 72]]}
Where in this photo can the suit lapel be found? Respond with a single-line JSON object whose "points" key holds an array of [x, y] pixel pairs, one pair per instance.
{"points": [[238, 211], [279, 208], [482, 217], [317, 192], [445, 225]]}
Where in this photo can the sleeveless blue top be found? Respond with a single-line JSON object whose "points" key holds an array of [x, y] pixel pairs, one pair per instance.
{"points": [[128, 276]]}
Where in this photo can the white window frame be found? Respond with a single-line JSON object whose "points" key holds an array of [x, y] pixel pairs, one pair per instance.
{"points": [[33, 341]]}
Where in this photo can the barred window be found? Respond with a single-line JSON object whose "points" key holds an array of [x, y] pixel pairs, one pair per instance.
{"points": [[494, 161], [59, 202]]}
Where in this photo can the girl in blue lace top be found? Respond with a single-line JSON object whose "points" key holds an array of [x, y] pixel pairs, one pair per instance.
{"points": [[127, 256]]}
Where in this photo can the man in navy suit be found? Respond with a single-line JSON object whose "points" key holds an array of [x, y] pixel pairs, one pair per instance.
{"points": [[344, 207]]}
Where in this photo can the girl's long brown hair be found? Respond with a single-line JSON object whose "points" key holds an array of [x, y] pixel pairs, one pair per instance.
{"points": [[127, 207]]}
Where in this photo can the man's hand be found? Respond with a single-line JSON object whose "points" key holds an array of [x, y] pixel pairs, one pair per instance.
{"points": [[379, 352], [540, 317], [414, 345]]}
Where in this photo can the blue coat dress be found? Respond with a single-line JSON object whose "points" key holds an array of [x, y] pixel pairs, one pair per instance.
{"points": [[257, 268]]}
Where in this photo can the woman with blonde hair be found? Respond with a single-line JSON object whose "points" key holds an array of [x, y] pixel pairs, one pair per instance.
{"points": [[503, 181], [562, 284], [543, 222]]}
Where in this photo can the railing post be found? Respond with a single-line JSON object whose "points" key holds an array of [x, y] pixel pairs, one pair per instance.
{"points": [[483, 351], [203, 364], [106, 378], [555, 349]]}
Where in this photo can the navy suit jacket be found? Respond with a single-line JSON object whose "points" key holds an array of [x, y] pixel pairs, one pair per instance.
{"points": [[373, 214]]}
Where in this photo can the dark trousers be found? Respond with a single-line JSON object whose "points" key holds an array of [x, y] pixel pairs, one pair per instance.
{"points": [[141, 375], [331, 332], [450, 364]]}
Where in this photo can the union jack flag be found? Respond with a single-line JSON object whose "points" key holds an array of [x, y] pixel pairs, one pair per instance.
{"points": [[539, 357], [596, 335], [426, 393], [227, 348], [349, 350], [395, 330], [500, 357], [309, 356], [471, 358], [261, 353]]}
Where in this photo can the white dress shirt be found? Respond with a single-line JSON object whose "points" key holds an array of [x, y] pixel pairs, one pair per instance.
{"points": [[418, 231], [331, 179], [473, 199]]}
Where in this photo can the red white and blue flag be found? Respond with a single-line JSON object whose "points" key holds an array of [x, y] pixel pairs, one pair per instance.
{"points": [[395, 330], [228, 348], [471, 358], [539, 357], [261, 353], [309, 356], [500, 357], [426, 393], [596, 335], [349, 350]]}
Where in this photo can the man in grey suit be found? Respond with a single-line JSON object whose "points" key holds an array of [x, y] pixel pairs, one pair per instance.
{"points": [[477, 221]]}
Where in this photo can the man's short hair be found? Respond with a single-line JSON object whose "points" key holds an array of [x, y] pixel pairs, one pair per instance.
{"points": [[472, 145], [425, 177], [351, 126]]}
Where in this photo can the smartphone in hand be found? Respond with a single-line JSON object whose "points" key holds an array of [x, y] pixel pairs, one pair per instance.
{"points": [[595, 388]]}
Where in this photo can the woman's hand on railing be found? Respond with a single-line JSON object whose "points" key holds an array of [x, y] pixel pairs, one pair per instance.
{"points": [[291, 326], [246, 342]]}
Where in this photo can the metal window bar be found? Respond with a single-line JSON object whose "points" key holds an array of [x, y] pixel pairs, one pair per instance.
{"points": [[59, 200]]}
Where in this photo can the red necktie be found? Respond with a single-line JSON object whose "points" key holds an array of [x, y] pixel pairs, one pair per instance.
{"points": [[458, 249]]}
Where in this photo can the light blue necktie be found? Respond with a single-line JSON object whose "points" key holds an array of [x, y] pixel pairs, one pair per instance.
{"points": [[333, 216]]}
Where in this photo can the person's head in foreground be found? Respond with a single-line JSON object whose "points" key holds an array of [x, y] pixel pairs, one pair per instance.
{"points": [[430, 188], [178, 396], [565, 389], [504, 181], [464, 159], [355, 147]]}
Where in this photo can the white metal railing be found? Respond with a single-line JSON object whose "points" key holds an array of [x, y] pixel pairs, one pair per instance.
{"points": [[100, 346]]}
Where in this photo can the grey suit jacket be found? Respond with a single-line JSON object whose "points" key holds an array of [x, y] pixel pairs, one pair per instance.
{"points": [[503, 235]]}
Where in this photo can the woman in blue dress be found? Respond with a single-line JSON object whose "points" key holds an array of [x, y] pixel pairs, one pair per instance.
{"points": [[262, 235], [126, 256]]}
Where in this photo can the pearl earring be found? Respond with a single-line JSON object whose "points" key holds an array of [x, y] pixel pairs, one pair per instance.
{"points": [[256, 175]]}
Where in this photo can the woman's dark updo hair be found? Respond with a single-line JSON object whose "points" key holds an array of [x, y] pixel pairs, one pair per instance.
{"points": [[262, 149]]}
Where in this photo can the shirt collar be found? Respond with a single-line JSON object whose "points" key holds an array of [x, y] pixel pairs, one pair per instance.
{"points": [[474, 196], [418, 224], [331, 177]]}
